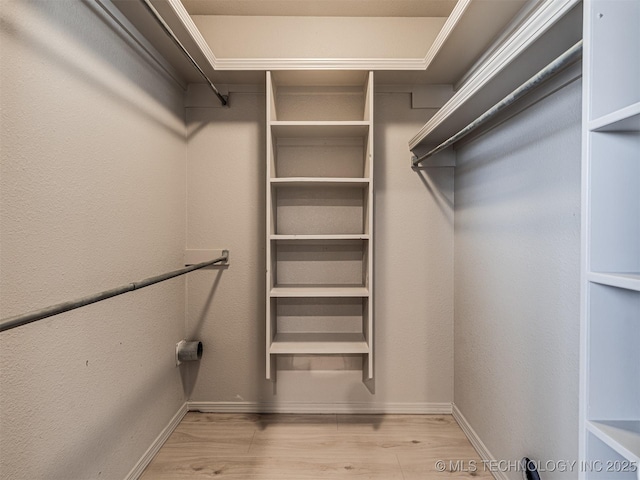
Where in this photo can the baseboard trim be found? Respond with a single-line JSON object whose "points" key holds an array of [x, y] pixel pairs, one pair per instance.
{"points": [[145, 460], [478, 444], [319, 408]]}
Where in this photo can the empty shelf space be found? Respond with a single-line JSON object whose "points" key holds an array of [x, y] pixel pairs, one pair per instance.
{"points": [[319, 291], [630, 281], [319, 343], [615, 201], [309, 157], [319, 129], [321, 210], [613, 374], [319, 182], [626, 119], [622, 436], [320, 262]]}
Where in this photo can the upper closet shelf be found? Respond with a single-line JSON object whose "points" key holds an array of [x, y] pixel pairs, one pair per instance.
{"points": [[544, 35]]}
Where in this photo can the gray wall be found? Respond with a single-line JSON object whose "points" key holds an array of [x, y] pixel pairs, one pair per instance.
{"points": [[413, 271], [92, 182], [517, 257]]}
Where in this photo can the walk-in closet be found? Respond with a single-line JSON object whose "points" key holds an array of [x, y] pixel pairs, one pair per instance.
{"points": [[319, 239]]}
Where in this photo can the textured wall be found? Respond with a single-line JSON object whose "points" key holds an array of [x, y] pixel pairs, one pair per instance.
{"points": [[92, 196], [413, 269], [517, 257]]}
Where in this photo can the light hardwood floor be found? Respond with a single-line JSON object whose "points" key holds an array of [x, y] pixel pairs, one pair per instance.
{"points": [[299, 447]]}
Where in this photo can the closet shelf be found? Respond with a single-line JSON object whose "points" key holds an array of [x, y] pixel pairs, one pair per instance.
{"points": [[356, 236], [546, 34], [626, 119], [319, 343], [308, 291], [629, 281], [319, 182], [622, 436], [319, 129]]}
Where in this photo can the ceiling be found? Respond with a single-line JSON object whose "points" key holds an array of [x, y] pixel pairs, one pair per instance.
{"points": [[322, 8], [400, 39]]}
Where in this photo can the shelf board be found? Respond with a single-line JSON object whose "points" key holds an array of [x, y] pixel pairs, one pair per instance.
{"points": [[622, 436], [547, 32], [319, 182], [626, 119], [630, 281], [355, 236], [319, 343], [319, 291], [320, 129]]}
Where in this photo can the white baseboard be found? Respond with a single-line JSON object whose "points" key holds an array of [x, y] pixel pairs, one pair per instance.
{"points": [[473, 437], [137, 470], [319, 408]]}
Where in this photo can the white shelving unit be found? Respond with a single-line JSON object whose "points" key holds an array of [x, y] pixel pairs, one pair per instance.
{"points": [[610, 339], [319, 215]]}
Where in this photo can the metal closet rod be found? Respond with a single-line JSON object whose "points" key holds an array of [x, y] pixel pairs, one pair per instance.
{"points": [[554, 67], [25, 318], [224, 99]]}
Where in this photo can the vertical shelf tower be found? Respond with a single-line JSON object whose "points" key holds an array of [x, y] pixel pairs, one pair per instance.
{"points": [[319, 215], [610, 338]]}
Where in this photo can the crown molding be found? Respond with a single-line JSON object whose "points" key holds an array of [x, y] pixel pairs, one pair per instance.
{"points": [[319, 64], [194, 32], [445, 32]]}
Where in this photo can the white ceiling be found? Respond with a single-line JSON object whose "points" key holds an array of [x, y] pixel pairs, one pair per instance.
{"points": [[322, 8]]}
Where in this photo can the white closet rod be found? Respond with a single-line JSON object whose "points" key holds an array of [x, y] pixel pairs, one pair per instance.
{"points": [[554, 67], [224, 99], [25, 318]]}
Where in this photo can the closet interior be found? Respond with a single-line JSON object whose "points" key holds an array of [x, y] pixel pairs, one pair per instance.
{"points": [[340, 211]]}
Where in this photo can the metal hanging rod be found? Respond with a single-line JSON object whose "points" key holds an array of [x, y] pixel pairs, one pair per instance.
{"points": [[25, 318], [554, 67], [224, 99]]}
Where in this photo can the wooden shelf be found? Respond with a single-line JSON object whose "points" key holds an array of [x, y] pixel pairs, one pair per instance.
{"points": [[319, 219], [319, 182], [319, 129], [319, 291], [357, 236], [319, 343], [630, 281], [626, 119], [622, 436]]}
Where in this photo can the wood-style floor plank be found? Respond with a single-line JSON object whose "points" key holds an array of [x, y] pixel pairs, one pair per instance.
{"points": [[276, 468], [302, 447]]}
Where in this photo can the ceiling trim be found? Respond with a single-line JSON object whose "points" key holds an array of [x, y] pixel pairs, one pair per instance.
{"points": [[445, 32], [193, 30], [319, 64]]}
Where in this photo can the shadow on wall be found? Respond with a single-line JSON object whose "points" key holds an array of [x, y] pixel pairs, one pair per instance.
{"points": [[95, 60], [438, 182], [189, 370]]}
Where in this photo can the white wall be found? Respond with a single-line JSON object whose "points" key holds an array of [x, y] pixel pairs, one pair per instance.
{"points": [[517, 257], [413, 271], [92, 196]]}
